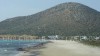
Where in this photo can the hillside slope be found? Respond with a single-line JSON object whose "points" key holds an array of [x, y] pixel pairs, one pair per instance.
{"points": [[64, 19]]}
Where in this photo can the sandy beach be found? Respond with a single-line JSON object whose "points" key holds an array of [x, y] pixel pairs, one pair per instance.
{"points": [[64, 48], [69, 48]]}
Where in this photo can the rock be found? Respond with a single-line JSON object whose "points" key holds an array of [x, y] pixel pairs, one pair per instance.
{"points": [[21, 49]]}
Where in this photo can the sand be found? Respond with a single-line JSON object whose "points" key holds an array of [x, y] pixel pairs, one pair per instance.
{"points": [[63, 48], [29, 53], [69, 48]]}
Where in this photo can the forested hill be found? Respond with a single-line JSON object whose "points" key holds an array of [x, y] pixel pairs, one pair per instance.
{"points": [[64, 19]]}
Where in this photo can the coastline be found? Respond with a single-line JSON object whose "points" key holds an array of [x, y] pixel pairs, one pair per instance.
{"points": [[32, 50], [63, 48]]}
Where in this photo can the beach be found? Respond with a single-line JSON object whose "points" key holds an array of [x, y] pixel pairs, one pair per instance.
{"points": [[64, 48]]}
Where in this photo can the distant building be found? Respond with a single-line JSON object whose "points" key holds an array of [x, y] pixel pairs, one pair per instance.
{"points": [[97, 38], [54, 37], [83, 38], [43, 37]]}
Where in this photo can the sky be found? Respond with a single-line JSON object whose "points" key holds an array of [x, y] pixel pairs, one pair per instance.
{"points": [[14, 8]]}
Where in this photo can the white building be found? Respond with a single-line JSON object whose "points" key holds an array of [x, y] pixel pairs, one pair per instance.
{"points": [[83, 38], [53, 37], [97, 38]]}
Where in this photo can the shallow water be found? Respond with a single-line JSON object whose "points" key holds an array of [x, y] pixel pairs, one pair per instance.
{"points": [[8, 47]]}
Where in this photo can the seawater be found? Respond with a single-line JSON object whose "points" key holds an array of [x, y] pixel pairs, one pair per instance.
{"points": [[8, 47]]}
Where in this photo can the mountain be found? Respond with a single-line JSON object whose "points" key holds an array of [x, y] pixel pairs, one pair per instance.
{"points": [[64, 19]]}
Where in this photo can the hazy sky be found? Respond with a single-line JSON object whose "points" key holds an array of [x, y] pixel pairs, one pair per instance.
{"points": [[13, 8]]}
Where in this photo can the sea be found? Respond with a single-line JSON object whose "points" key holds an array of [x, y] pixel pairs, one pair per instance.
{"points": [[9, 47]]}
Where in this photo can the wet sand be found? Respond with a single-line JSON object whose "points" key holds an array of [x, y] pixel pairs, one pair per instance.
{"points": [[29, 53], [32, 51]]}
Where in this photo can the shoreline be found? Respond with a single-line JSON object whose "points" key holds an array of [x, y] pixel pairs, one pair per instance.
{"points": [[63, 48], [32, 50]]}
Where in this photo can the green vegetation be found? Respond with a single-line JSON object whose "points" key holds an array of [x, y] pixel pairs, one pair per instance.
{"points": [[67, 19], [88, 40], [91, 43]]}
